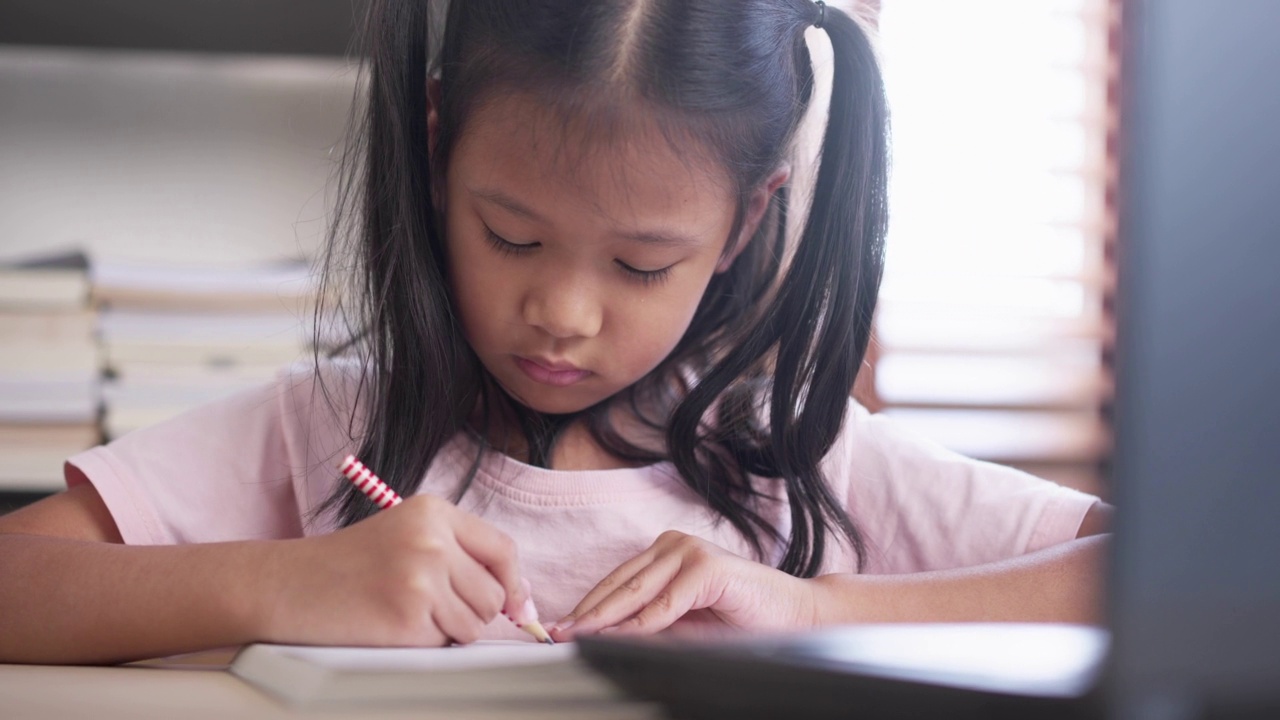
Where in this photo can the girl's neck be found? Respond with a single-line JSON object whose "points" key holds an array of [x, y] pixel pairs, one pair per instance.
{"points": [[575, 447]]}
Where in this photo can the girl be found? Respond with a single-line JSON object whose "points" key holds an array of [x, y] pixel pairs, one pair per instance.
{"points": [[583, 356]]}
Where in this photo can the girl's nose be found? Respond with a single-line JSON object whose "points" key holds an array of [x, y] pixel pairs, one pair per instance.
{"points": [[564, 309]]}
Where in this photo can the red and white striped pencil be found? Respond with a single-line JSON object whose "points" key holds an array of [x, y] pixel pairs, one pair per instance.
{"points": [[369, 484], [384, 497]]}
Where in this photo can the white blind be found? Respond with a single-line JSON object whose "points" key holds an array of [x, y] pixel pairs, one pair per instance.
{"points": [[993, 324]]}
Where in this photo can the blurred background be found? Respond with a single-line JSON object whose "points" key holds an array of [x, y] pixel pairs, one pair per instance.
{"points": [[165, 167], [995, 328]]}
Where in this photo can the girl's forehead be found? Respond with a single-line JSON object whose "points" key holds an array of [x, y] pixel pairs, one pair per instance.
{"points": [[517, 143], [588, 147]]}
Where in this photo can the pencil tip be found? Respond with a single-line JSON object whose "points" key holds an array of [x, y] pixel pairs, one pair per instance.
{"points": [[538, 632]]}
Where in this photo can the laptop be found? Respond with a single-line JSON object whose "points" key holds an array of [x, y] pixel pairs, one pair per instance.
{"points": [[1193, 626]]}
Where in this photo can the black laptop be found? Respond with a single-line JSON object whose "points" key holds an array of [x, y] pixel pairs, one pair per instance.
{"points": [[1194, 591]]}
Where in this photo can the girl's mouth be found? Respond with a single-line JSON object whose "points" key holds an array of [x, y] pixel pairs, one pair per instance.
{"points": [[558, 374]]}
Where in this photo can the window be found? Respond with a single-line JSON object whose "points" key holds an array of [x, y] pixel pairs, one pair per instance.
{"points": [[993, 330]]}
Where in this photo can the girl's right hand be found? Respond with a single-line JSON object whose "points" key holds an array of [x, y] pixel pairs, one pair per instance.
{"points": [[422, 573]]}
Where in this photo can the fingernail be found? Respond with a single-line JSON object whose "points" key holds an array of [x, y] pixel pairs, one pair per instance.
{"points": [[525, 614], [528, 612], [564, 624]]}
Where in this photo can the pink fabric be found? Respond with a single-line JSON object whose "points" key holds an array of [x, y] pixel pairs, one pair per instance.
{"points": [[256, 465]]}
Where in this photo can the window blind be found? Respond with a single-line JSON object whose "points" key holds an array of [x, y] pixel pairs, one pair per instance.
{"points": [[994, 325]]}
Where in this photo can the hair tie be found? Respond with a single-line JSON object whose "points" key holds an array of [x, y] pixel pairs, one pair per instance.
{"points": [[822, 14]]}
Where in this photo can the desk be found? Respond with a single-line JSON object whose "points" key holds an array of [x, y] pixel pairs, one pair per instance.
{"points": [[198, 686]]}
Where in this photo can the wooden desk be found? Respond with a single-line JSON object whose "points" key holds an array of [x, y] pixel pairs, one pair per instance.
{"points": [[199, 686]]}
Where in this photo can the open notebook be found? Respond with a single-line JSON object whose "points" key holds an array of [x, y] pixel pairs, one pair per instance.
{"points": [[302, 675]]}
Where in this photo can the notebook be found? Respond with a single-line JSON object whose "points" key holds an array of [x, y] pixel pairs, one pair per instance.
{"points": [[1194, 587], [492, 671]]}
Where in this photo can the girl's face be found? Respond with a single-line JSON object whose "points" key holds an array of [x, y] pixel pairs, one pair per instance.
{"points": [[577, 266]]}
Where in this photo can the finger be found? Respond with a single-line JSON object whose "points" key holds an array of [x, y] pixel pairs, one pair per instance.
{"points": [[628, 598], [493, 549], [701, 624], [455, 618], [522, 612], [478, 588], [608, 585], [662, 544], [433, 636], [683, 594]]}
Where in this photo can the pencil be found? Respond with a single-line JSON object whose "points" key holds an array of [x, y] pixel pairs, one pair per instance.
{"points": [[384, 497]]}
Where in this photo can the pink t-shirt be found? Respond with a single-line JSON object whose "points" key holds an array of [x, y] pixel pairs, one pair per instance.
{"points": [[255, 465]]}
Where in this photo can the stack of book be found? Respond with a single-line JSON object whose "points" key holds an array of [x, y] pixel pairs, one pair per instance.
{"points": [[174, 338], [49, 370]]}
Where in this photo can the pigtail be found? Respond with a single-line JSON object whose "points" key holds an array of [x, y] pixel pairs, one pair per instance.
{"points": [[818, 325], [824, 308], [415, 364]]}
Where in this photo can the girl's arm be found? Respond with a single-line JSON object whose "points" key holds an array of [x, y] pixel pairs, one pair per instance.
{"points": [[421, 573], [684, 580], [71, 593], [1061, 583], [1057, 584]]}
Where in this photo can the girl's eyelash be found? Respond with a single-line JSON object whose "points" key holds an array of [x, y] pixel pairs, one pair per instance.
{"points": [[505, 246], [646, 277]]}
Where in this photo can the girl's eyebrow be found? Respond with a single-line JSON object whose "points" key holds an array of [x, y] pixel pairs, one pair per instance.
{"points": [[647, 237], [503, 200]]}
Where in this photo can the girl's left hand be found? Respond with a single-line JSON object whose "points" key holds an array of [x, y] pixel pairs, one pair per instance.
{"points": [[680, 574]]}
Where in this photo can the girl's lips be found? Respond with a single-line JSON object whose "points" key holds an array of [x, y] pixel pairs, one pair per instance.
{"points": [[549, 376]]}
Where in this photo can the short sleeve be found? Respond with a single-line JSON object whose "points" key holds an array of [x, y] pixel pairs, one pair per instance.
{"points": [[219, 472], [922, 507]]}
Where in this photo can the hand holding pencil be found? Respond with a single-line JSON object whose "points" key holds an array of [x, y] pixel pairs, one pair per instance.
{"points": [[522, 613]]}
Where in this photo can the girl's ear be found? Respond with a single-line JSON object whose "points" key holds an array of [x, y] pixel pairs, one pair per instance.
{"points": [[757, 204], [433, 135], [433, 114]]}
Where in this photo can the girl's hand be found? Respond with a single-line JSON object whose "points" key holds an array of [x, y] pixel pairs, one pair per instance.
{"points": [[682, 580], [420, 573]]}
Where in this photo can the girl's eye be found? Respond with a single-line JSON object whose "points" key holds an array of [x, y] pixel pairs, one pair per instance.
{"points": [[503, 245], [647, 277]]}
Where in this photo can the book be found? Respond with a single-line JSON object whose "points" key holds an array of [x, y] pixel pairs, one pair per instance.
{"points": [[138, 400], [175, 337], [43, 398], [178, 338], [35, 452], [50, 369], [486, 671], [54, 281], [286, 286], [70, 328]]}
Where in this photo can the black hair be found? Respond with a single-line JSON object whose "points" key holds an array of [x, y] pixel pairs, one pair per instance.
{"points": [[759, 383]]}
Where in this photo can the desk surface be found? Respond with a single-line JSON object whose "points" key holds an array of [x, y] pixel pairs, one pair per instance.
{"points": [[199, 686]]}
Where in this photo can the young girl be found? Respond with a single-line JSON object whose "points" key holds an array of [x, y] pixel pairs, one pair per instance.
{"points": [[584, 356]]}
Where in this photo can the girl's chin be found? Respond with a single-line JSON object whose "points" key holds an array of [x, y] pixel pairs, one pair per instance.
{"points": [[554, 407], [551, 401]]}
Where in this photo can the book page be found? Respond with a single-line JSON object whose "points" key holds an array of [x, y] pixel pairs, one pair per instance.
{"points": [[484, 654]]}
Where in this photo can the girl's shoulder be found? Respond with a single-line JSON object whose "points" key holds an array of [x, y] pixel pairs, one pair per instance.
{"points": [[876, 449], [880, 444], [340, 377], [248, 465], [327, 392], [924, 506]]}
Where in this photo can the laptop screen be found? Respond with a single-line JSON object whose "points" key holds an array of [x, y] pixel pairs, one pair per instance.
{"points": [[1196, 575]]}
